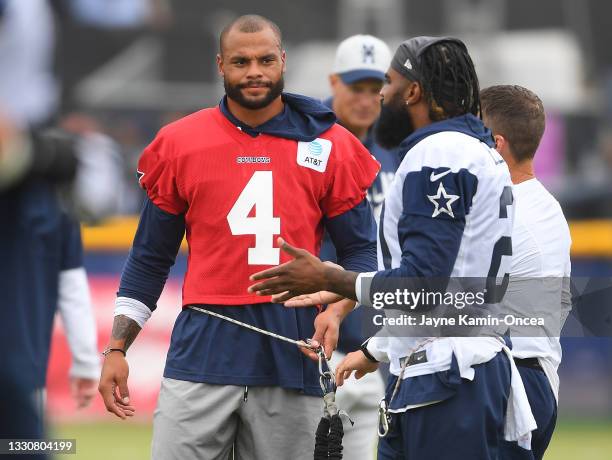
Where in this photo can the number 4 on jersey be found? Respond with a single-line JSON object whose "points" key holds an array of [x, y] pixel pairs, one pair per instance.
{"points": [[258, 192]]}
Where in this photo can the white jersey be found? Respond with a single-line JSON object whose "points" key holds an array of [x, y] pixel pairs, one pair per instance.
{"points": [[540, 250], [448, 213]]}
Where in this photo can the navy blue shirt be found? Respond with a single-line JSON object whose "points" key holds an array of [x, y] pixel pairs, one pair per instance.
{"points": [[37, 241]]}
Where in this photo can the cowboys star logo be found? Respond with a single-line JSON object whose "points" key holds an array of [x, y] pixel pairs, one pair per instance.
{"points": [[446, 207]]}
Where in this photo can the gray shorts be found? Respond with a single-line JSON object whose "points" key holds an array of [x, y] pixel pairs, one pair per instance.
{"points": [[208, 422]]}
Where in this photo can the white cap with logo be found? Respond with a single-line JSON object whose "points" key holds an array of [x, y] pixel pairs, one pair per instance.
{"points": [[360, 57]]}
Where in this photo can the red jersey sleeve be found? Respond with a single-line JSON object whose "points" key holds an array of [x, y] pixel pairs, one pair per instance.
{"points": [[157, 175], [352, 173]]}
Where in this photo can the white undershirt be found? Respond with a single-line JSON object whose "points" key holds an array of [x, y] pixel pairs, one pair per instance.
{"points": [[76, 312], [540, 249]]}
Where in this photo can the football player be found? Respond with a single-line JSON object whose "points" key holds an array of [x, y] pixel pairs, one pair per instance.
{"points": [[262, 163], [447, 214], [540, 256]]}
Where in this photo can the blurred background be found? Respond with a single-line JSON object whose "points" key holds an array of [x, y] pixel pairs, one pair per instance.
{"points": [[127, 67]]}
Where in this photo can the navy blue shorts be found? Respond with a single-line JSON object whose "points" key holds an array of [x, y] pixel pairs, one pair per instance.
{"points": [[469, 424], [544, 408]]}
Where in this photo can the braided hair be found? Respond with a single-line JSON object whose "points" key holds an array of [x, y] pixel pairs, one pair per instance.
{"points": [[449, 81]]}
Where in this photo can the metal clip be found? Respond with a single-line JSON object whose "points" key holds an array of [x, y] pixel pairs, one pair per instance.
{"points": [[327, 382], [327, 379], [384, 419]]}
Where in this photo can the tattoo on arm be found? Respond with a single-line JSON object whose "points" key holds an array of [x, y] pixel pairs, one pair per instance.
{"points": [[125, 328]]}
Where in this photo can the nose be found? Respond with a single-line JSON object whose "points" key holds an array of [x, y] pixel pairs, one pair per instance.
{"points": [[368, 98], [254, 71], [381, 94]]}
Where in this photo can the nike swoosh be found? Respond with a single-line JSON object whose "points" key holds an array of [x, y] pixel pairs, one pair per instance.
{"points": [[435, 177]]}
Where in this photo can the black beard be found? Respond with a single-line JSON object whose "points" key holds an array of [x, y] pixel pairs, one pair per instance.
{"points": [[394, 124], [235, 94]]}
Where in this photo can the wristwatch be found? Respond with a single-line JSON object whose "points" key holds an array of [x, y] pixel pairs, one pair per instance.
{"points": [[110, 350], [364, 350]]}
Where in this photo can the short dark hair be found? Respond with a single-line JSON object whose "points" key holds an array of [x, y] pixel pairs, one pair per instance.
{"points": [[250, 23], [518, 115], [449, 81]]}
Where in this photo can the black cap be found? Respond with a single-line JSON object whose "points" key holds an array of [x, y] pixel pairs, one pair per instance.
{"points": [[407, 58]]}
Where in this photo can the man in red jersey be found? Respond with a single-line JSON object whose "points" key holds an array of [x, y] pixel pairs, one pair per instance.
{"points": [[233, 178]]}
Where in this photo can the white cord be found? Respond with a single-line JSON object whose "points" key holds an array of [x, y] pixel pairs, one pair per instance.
{"points": [[299, 343]]}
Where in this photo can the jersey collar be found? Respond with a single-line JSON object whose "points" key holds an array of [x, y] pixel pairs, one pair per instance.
{"points": [[250, 130], [466, 124]]}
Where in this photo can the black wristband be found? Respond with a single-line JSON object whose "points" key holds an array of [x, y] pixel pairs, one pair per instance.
{"points": [[109, 350], [368, 355]]}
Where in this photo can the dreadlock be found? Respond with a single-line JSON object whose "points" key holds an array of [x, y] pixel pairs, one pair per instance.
{"points": [[449, 81]]}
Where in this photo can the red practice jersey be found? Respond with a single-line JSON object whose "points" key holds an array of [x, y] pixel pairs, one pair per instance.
{"points": [[239, 193]]}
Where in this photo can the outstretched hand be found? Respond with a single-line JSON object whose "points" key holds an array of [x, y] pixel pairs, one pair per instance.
{"points": [[314, 299], [305, 274], [310, 300]]}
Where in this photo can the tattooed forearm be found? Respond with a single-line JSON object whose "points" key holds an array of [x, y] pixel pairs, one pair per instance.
{"points": [[125, 329]]}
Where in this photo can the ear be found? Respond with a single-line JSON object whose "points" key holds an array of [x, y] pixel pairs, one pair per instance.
{"points": [[500, 143], [503, 147], [333, 80], [220, 64], [284, 60], [412, 93]]}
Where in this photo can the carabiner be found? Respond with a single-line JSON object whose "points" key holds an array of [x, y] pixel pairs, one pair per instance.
{"points": [[322, 360], [327, 379], [384, 418], [327, 382]]}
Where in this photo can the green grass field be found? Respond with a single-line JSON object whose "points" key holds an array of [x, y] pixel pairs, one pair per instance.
{"points": [[590, 440]]}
